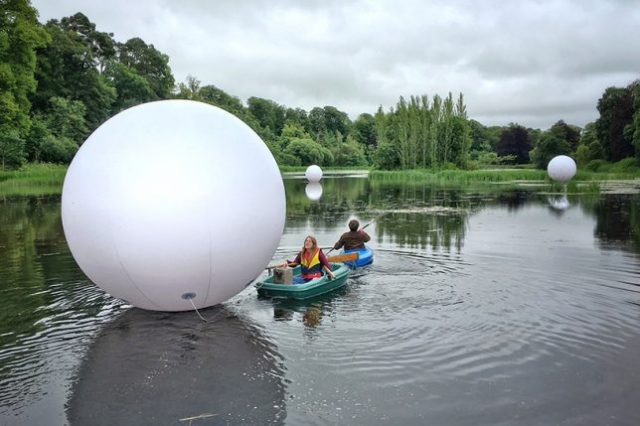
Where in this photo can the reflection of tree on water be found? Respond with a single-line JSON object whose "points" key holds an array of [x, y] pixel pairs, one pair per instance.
{"points": [[437, 230], [40, 284], [514, 200], [446, 228], [158, 368], [339, 197], [617, 219]]}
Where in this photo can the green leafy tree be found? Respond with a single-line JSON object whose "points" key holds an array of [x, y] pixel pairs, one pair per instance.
{"points": [[349, 154], [616, 113], [548, 146], [386, 157], [570, 134], [66, 68], [364, 130], [297, 116], [131, 88], [149, 63], [66, 119], [100, 44], [269, 114], [560, 139], [423, 133], [480, 140], [309, 152], [328, 121], [12, 148], [55, 136], [20, 35], [589, 148], [634, 127], [515, 140]]}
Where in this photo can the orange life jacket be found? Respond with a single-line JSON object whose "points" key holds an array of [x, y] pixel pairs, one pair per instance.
{"points": [[310, 266]]}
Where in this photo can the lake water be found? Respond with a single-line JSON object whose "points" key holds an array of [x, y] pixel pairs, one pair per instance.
{"points": [[506, 306]]}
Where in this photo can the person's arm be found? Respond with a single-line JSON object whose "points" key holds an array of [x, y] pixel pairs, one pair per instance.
{"points": [[325, 264], [293, 263], [365, 235], [340, 243]]}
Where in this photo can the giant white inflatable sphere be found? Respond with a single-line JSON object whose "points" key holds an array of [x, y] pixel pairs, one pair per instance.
{"points": [[313, 173], [172, 203], [561, 168], [313, 191]]}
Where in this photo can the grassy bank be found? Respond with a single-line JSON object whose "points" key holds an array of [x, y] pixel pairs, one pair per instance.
{"points": [[464, 177], [302, 169], [33, 179], [46, 179]]}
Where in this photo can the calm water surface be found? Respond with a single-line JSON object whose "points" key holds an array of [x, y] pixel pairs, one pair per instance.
{"points": [[480, 309]]}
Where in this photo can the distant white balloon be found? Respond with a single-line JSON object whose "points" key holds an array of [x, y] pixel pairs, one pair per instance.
{"points": [[313, 173], [160, 209], [313, 191], [561, 168]]}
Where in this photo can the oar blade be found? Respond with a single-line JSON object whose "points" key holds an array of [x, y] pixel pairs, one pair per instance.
{"points": [[342, 258]]}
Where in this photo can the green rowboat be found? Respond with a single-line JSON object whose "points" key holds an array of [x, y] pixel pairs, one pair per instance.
{"points": [[315, 287]]}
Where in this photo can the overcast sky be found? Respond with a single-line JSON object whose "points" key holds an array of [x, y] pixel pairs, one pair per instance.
{"points": [[528, 62]]}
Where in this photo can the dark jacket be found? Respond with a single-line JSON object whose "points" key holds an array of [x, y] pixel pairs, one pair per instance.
{"points": [[352, 240]]}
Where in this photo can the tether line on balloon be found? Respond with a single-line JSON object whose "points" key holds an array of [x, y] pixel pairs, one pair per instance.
{"points": [[197, 312]]}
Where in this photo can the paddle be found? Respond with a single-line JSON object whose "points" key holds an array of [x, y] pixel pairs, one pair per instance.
{"points": [[340, 258]]}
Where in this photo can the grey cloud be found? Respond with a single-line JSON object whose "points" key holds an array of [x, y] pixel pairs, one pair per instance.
{"points": [[532, 62]]}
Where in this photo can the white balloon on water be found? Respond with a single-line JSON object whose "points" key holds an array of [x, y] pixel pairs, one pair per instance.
{"points": [[561, 168], [313, 191], [313, 173], [172, 203]]}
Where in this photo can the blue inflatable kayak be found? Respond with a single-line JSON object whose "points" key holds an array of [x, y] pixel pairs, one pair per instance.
{"points": [[365, 257]]}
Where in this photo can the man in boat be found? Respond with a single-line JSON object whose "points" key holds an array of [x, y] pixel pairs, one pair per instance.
{"points": [[354, 239], [311, 260]]}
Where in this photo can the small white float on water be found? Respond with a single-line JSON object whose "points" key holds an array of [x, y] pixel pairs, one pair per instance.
{"points": [[313, 173], [561, 168]]}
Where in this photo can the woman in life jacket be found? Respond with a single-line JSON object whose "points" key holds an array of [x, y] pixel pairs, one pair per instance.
{"points": [[311, 260]]}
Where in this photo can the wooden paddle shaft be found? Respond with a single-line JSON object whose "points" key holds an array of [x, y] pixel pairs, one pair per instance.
{"points": [[339, 258]]}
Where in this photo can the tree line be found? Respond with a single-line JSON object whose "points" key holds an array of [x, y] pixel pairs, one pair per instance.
{"points": [[61, 80]]}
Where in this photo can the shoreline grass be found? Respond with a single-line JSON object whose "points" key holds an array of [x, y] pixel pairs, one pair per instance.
{"points": [[33, 179], [47, 179], [490, 176]]}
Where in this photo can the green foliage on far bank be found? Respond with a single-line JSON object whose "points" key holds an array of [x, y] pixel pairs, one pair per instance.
{"points": [[465, 177]]}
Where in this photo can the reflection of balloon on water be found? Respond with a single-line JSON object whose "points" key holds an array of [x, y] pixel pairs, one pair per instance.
{"points": [[158, 368], [158, 205], [313, 173], [313, 190], [561, 203], [561, 168]]}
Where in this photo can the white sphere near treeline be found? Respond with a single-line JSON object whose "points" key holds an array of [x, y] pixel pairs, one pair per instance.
{"points": [[313, 173], [171, 203], [561, 168]]}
